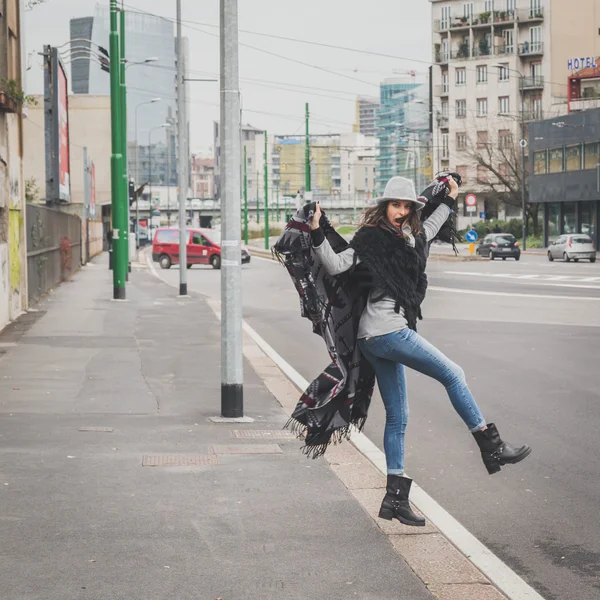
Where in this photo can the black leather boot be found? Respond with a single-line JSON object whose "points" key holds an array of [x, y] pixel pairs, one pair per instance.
{"points": [[395, 505], [495, 452]]}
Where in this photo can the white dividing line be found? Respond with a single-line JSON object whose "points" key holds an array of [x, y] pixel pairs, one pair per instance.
{"points": [[436, 288], [503, 577]]}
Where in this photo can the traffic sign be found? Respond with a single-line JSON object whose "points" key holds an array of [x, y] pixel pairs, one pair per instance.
{"points": [[483, 216], [471, 236], [471, 200]]}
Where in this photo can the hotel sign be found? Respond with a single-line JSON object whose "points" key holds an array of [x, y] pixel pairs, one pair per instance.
{"points": [[584, 62]]}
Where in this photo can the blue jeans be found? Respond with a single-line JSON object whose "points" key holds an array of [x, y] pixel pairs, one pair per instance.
{"points": [[389, 354]]}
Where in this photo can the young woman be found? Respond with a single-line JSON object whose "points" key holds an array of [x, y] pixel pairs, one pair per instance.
{"points": [[392, 243]]}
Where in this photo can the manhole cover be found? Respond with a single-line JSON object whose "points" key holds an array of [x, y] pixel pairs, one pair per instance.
{"points": [[97, 429], [177, 460], [262, 434], [246, 449]]}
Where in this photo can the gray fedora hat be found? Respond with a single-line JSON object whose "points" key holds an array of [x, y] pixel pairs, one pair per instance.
{"points": [[401, 188]]}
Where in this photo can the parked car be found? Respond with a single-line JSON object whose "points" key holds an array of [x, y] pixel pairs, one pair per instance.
{"points": [[572, 247], [499, 245], [203, 248]]}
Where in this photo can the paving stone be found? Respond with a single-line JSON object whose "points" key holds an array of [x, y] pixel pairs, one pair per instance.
{"points": [[359, 476], [370, 500], [435, 560], [472, 591]]}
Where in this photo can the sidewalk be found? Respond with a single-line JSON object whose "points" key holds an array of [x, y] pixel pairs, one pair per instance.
{"points": [[94, 392]]}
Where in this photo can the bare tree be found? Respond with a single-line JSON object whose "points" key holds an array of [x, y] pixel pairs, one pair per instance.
{"points": [[500, 170], [31, 4]]}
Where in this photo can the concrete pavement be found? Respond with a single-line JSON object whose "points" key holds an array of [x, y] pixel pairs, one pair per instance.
{"points": [[115, 484]]}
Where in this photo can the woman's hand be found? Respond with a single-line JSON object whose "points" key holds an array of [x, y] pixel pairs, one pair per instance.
{"points": [[453, 187], [314, 222]]}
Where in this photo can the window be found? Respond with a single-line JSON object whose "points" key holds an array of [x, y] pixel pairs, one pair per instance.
{"points": [[462, 171], [444, 109], [199, 240], [508, 35], [555, 160], [573, 157], [588, 218], [539, 162], [503, 170], [461, 141], [468, 10], [511, 4], [503, 105], [591, 155], [461, 109], [482, 174], [167, 236], [445, 144], [482, 107], [504, 72], [535, 37], [482, 139], [445, 86], [482, 74], [489, 5], [446, 17], [505, 139], [445, 50], [461, 76], [569, 219]]}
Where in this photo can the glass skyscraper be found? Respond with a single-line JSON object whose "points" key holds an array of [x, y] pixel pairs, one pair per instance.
{"points": [[147, 37]]}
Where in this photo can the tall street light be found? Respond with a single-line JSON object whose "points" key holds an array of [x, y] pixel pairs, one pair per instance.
{"points": [[150, 161], [523, 144], [137, 169]]}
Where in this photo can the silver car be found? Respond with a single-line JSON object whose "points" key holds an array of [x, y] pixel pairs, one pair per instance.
{"points": [[572, 247]]}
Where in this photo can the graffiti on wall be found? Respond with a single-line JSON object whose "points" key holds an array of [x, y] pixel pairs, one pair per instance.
{"points": [[4, 285]]}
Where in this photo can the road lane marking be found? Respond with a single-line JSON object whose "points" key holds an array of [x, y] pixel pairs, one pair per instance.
{"points": [[436, 288], [501, 575]]}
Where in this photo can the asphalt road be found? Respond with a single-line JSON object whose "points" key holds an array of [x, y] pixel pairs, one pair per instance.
{"points": [[526, 334]]}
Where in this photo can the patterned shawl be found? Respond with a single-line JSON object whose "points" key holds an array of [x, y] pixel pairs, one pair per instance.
{"points": [[340, 396]]}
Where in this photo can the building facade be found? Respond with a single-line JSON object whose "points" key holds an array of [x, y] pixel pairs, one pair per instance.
{"points": [[13, 252], [202, 177], [366, 116], [565, 179], [499, 65]]}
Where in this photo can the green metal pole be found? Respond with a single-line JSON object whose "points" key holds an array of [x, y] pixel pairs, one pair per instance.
{"points": [[307, 157], [245, 197], [277, 194], [266, 195], [118, 198], [257, 198], [123, 91]]}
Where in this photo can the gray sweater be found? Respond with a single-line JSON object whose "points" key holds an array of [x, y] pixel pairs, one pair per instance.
{"points": [[379, 318]]}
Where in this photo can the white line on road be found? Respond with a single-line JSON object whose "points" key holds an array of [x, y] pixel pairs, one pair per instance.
{"points": [[482, 557], [436, 288], [536, 282]]}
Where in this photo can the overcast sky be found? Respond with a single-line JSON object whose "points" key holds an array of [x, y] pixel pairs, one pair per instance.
{"points": [[397, 27]]}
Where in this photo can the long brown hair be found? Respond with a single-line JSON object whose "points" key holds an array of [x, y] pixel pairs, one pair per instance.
{"points": [[376, 216]]}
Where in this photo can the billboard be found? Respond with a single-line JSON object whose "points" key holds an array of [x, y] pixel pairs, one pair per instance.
{"points": [[60, 137]]}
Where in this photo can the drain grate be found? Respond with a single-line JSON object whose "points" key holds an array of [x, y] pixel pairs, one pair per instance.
{"points": [[262, 434], [97, 429], [246, 449], [178, 460]]}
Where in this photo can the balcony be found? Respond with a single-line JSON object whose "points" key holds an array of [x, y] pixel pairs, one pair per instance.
{"points": [[531, 49], [461, 54], [483, 49], [442, 122], [441, 90], [584, 103], [530, 15], [533, 115], [532, 83], [439, 25], [504, 17], [441, 58], [504, 50]]}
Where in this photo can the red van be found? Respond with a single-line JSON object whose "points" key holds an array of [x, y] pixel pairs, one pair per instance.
{"points": [[203, 248]]}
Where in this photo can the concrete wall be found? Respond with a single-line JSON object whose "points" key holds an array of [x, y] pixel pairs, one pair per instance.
{"points": [[89, 125]]}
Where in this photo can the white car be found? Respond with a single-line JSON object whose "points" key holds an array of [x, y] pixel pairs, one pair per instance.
{"points": [[572, 247]]}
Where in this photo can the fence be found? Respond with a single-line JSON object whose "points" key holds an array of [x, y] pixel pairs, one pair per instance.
{"points": [[54, 248]]}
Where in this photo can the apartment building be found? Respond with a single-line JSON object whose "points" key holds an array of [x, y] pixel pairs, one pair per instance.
{"points": [[499, 64], [366, 115]]}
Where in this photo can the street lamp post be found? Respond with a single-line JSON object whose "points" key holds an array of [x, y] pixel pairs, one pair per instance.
{"points": [[523, 144], [150, 162], [137, 170]]}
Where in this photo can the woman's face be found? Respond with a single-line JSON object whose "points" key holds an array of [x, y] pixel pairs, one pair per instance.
{"points": [[397, 211]]}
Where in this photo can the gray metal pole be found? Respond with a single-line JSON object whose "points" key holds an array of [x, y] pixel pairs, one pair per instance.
{"points": [[86, 201], [523, 207], [182, 178], [232, 375]]}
